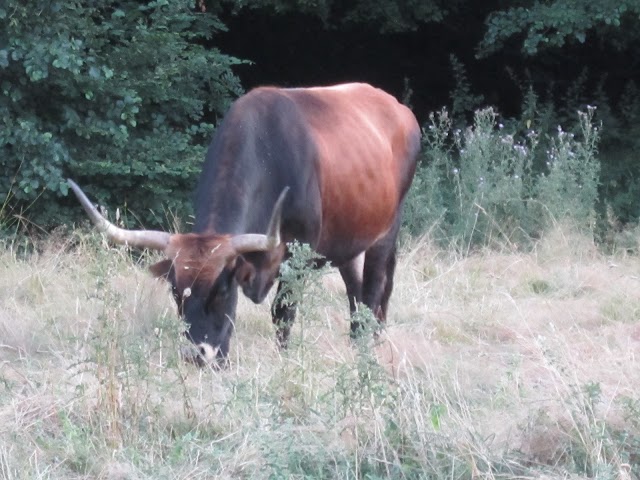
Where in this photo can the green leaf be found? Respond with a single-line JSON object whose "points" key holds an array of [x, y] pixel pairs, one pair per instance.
{"points": [[63, 187], [94, 72]]}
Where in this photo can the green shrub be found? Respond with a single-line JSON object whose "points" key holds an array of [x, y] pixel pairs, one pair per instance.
{"points": [[485, 186], [569, 189], [429, 196], [113, 94], [618, 139]]}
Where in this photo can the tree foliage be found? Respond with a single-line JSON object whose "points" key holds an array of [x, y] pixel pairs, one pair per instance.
{"points": [[554, 23], [385, 15], [112, 93], [123, 95]]}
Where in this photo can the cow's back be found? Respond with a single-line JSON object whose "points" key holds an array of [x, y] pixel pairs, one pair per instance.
{"points": [[367, 145], [346, 152]]}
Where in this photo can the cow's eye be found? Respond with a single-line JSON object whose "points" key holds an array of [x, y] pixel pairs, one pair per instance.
{"points": [[175, 293], [219, 290]]}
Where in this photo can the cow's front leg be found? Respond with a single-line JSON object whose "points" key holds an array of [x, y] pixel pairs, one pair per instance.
{"points": [[283, 314]]}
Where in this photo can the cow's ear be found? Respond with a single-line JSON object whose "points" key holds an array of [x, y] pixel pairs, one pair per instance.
{"points": [[161, 269], [245, 272]]}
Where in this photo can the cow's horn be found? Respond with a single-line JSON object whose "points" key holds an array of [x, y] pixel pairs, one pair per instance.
{"points": [[252, 242], [152, 239]]}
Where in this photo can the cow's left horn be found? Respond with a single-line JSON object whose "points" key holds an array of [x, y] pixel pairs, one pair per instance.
{"points": [[152, 239], [252, 242]]}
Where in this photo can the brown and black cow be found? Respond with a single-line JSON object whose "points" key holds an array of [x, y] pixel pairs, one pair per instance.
{"points": [[327, 166]]}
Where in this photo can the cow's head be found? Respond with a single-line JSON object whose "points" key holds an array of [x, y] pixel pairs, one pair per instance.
{"points": [[204, 271]]}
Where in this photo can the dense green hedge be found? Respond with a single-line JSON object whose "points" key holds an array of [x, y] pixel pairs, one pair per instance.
{"points": [[114, 94]]}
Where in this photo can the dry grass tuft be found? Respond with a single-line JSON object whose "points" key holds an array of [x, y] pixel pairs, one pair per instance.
{"points": [[496, 365]]}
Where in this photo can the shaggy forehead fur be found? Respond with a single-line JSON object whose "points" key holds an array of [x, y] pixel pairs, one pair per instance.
{"points": [[199, 259]]}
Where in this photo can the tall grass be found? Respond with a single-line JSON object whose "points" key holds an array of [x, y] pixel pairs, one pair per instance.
{"points": [[492, 185], [497, 365]]}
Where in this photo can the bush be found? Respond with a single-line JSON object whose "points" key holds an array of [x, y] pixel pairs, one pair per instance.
{"points": [[483, 185], [114, 94], [569, 189]]}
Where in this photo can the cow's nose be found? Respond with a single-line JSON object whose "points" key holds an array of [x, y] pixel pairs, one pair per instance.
{"points": [[200, 355], [207, 352]]}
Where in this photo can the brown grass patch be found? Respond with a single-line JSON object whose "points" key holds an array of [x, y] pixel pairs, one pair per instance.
{"points": [[493, 365]]}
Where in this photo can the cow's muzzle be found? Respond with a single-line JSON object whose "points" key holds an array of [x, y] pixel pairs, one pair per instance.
{"points": [[201, 355]]}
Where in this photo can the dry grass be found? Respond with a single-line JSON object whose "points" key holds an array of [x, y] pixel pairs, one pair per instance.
{"points": [[497, 365]]}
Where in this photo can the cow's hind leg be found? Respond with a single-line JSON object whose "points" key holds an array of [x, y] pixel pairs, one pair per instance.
{"points": [[351, 273], [283, 314], [388, 287], [377, 281]]}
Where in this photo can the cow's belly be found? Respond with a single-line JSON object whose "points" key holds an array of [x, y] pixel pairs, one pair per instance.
{"points": [[341, 250], [355, 214], [361, 176]]}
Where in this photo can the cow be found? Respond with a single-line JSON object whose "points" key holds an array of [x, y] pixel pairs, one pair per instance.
{"points": [[328, 166]]}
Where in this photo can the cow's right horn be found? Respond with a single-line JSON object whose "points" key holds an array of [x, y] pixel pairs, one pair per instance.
{"points": [[151, 239], [252, 242]]}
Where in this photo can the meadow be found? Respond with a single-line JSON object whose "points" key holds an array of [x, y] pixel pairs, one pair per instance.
{"points": [[496, 364]]}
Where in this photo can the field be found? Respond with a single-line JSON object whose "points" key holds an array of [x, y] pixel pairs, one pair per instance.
{"points": [[493, 365]]}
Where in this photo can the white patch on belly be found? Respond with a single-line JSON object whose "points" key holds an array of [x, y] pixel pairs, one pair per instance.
{"points": [[358, 265]]}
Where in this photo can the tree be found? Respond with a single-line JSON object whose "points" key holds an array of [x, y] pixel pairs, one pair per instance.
{"points": [[385, 15], [112, 93], [540, 24]]}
